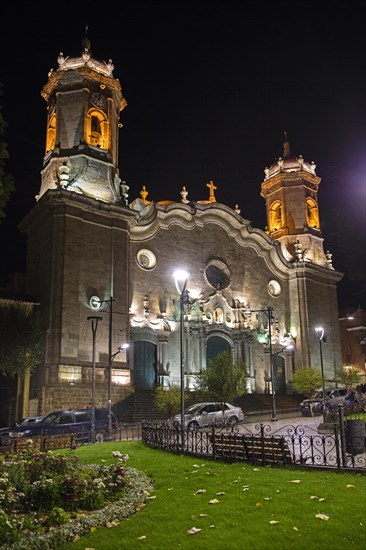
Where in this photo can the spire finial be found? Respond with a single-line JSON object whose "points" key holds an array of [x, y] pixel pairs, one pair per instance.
{"points": [[286, 147], [85, 43]]}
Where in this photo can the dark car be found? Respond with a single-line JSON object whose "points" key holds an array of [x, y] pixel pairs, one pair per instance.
{"points": [[75, 421], [5, 439]]}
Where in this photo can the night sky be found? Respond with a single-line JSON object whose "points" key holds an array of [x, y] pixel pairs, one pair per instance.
{"points": [[211, 88]]}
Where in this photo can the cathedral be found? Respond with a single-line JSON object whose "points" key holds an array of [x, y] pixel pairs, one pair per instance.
{"points": [[102, 261]]}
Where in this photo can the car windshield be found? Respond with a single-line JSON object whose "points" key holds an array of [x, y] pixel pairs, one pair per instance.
{"points": [[50, 418]]}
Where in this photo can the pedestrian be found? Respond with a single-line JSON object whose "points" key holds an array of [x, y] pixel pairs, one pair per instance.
{"points": [[350, 397]]}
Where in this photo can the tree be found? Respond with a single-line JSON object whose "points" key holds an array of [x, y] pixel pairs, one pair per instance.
{"points": [[307, 381], [350, 377], [6, 180], [21, 338], [168, 399], [222, 380]]}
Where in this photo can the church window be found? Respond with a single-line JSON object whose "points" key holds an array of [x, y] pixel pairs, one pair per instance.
{"points": [[67, 373], [97, 129], [146, 259], [217, 275], [312, 213], [275, 216], [51, 133], [274, 288]]}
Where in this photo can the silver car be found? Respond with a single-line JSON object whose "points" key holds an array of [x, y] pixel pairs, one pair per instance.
{"points": [[333, 396], [210, 413]]}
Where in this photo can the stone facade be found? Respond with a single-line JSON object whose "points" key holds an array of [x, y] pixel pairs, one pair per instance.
{"points": [[87, 239]]}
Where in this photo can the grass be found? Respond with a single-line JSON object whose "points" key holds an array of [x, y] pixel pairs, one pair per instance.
{"points": [[249, 499]]}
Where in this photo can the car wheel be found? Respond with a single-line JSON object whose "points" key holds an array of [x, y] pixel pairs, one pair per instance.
{"points": [[233, 421], [193, 425], [99, 437], [6, 441]]}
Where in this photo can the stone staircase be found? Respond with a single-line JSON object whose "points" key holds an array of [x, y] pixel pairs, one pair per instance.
{"points": [[140, 405]]}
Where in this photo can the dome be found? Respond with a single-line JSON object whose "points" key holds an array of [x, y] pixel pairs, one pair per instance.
{"points": [[289, 163]]}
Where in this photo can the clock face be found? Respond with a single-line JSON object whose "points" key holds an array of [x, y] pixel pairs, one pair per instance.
{"points": [[98, 100]]}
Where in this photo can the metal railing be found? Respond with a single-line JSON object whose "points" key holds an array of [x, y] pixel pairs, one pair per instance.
{"points": [[339, 444]]}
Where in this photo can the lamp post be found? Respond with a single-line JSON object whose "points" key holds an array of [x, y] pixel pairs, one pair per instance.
{"points": [[96, 303], [94, 325], [111, 359], [269, 314], [322, 338], [181, 276]]}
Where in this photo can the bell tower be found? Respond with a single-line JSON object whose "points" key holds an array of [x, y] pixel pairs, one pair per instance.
{"points": [[84, 102], [290, 189]]}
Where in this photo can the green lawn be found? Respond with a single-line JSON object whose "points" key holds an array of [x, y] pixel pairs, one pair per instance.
{"points": [[253, 507]]}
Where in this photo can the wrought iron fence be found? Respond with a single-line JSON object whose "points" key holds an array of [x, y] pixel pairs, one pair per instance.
{"points": [[339, 444]]}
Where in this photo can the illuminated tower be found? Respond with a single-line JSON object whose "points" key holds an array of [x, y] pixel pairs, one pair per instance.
{"points": [[84, 102], [290, 190]]}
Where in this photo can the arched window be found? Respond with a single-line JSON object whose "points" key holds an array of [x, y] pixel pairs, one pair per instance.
{"points": [[97, 129], [312, 213], [275, 216], [51, 133]]}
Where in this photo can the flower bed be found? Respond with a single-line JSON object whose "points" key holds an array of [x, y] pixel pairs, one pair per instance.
{"points": [[48, 499]]}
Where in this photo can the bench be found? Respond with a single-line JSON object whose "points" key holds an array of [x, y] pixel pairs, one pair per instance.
{"points": [[265, 450], [44, 443]]}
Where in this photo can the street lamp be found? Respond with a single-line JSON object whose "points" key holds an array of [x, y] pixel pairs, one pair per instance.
{"points": [[94, 325], [181, 276], [111, 359], [95, 303], [322, 338], [269, 314]]}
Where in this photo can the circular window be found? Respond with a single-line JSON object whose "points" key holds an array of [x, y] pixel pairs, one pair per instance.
{"points": [[274, 288], [146, 259], [218, 275]]}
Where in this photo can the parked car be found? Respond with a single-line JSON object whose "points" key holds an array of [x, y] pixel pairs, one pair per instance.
{"points": [[207, 414], [332, 397], [76, 421], [5, 439]]}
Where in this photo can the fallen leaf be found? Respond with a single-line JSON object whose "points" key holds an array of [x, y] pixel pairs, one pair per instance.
{"points": [[295, 481], [92, 529], [212, 526], [350, 486], [203, 515], [255, 469], [323, 517], [245, 489], [295, 528], [193, 531], [321, 499], [213, 501], [220, 494], [196, 466], [151, 498], [200, 491], [170, 489], [267, 498], [314, 497], [259, 505], [273, 522], [194, 471], [143, 537], [113, 523]]}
